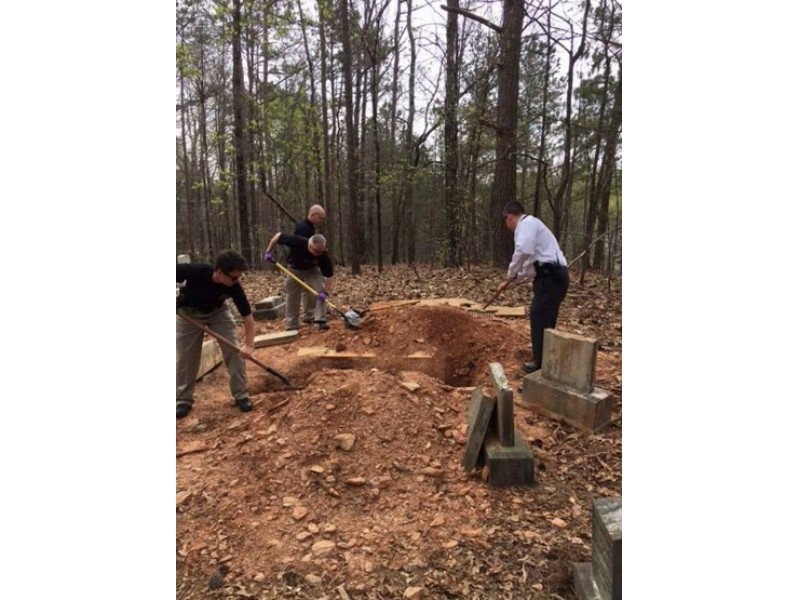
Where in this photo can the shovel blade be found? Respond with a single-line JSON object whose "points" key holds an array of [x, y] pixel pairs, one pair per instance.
{"points": [[353, 319]]}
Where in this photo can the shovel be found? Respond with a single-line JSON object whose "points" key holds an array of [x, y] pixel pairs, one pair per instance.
{"points": [[232, 346], [352, 318]]}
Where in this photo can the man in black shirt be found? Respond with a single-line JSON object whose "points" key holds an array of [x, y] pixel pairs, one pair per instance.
{"points": [[307, 227], [202, 298], [310, 263]]}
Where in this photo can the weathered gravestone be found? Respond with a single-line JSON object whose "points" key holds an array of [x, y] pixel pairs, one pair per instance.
{"points": [[492, 440], [564, 387], [601, 579], [269, 309], [210, 357], [481, 408]]}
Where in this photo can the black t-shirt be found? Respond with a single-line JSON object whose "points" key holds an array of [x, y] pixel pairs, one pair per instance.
{"points": [[202, 294], [300, 257], [305, 228]]}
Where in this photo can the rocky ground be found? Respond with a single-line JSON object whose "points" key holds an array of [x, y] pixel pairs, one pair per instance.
{"points": [[352, 486]]}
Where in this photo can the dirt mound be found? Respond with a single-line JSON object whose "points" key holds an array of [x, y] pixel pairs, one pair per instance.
{"points": [[277, 503]]}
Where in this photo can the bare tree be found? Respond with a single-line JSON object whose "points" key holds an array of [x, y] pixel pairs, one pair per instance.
{"points": [[352, 164]]}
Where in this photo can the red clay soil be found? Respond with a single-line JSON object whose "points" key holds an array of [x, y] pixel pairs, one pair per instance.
{"points": [[270, 505]]}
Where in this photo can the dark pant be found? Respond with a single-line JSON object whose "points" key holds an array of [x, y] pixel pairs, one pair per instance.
{"points": [[549, 289]]}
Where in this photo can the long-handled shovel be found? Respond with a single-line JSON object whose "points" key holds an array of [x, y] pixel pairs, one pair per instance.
{"points": [[494, 296], [232, 346], [352, 318]]}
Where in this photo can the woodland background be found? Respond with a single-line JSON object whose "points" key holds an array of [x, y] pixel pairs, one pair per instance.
{"points": [[411, 122]]}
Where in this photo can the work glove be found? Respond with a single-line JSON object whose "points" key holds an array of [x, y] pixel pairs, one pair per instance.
{"points": [[267, 256], [322, 296]]}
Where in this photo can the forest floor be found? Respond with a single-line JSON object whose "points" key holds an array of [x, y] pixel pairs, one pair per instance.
{"points": [[268, 506]]}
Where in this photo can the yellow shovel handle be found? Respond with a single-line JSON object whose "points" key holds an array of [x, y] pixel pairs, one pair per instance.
{"points": [[304, 284]]}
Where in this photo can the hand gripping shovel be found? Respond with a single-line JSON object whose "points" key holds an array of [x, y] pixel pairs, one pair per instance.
{"points": [[352, 318], [232, 346]]}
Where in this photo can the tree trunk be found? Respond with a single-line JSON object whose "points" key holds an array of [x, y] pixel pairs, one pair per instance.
{"points": [[451, 188], [408, 189], [504, 185], [239, 138], [330, 214], [352, 165], [608, 168], [562, 192]]}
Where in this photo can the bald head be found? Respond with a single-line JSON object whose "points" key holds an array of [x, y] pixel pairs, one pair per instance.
{"points": [[316, 214]]}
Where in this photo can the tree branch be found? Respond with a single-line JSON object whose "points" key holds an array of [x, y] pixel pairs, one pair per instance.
{"points": [[474, 17]]}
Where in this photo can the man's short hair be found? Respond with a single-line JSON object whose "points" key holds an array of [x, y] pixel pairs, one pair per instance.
{"points": [[513, 208], [229, 261], [317, 240]]}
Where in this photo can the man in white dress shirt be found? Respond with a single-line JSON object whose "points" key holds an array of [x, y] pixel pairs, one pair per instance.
{"points": [[538, 257]]}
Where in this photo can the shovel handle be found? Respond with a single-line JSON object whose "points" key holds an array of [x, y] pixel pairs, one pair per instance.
{"points": [[226, 342], [492, 299], [307, 287]]}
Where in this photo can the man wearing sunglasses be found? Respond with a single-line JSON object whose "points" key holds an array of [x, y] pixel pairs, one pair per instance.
{"points": [[203, 294]]}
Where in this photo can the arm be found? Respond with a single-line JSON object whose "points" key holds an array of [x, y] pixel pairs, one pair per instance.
{"points": [[249, 336], [273, 241]]}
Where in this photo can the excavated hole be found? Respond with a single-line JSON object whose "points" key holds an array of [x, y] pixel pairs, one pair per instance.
{"points": [[459, 345]]}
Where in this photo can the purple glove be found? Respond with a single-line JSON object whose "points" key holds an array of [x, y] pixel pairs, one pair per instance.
{"points": [[322, 296], [267, 256]]}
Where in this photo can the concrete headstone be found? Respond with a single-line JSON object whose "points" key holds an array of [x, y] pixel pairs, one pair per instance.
{"points": [[569, 359], [481, 408], [505, 404]]}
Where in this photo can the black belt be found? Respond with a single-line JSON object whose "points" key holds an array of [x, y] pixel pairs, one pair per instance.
{"points": [[548, 267]]}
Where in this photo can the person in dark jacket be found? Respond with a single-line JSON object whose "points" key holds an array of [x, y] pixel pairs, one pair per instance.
{"points": [[310, 263], [307, 228], [204, 290]]}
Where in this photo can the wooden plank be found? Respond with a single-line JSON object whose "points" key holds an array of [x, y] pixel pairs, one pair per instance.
{"points": [[322, 352], [386, 305], [457, 302], [274, 339]]}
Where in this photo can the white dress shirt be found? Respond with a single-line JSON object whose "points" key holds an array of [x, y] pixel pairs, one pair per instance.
{"points": [[533, 242]]}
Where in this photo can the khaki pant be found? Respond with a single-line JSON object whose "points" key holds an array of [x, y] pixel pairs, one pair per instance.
{"points": [[313, 309], [189, 348]]}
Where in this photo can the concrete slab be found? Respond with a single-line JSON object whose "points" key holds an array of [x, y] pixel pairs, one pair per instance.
{"points": [[489, 310], [583, 580], [510, 311], [569, 359], [269, 314], [587, 412], [480, 412], [505, 404], [275, 339], [211, 356], [509, 466], [607, 546], [269, 302]]}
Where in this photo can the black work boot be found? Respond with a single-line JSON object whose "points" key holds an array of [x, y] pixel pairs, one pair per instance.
{"points": [[322, 325], [244, 404], [530, 367]]}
